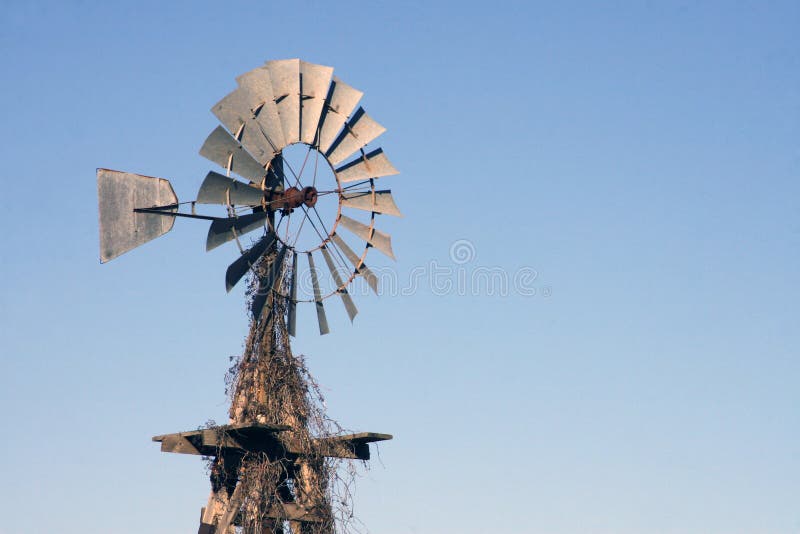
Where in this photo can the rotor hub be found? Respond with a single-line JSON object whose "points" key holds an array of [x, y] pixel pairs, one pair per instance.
{"points": [[293, 198]]}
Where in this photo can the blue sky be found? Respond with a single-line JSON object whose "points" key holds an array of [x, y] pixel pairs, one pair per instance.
{"points": [[641, 157]]}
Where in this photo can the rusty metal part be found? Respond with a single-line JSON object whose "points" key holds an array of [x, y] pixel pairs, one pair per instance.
{"points": [[292, 198]]}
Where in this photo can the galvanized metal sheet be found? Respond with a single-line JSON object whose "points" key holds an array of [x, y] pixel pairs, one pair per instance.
{"points": [[376, 238], [221, 148], [371, 165], [122, 229], [267, 283], [342, 100], [239, 268], [224, 230], [314, 82], [235, 108], [235, 112], [360, 130], [321, 318], [291, 319], [346, 299], [259, 84], [380, 202], [360, 267], [285, 77], [216, 189]]}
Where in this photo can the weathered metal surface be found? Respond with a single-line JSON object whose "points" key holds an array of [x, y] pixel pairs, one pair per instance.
{"points": [[371, 165], [259, 84], [359, 130], [376, 238], [221, 148], [347, 300], [224, 230], [380, 202], [360, 267], [266, 284], [239, 268], [340, 103], [291, 318], [219, 189], [122, 229], [321, 318], [314, 82], [235, 112], [285, 77]]}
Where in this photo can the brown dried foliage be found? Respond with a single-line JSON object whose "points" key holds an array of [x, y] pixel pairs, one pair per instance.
{"points": [[270, 385]]}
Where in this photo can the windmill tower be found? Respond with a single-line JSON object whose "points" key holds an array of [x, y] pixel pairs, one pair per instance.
{"points": [[271, 466]]}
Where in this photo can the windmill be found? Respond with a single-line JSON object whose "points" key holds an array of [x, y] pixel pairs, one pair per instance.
{"points": [[268, 465]]}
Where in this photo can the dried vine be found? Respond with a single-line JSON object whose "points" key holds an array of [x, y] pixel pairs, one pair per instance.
{"points": [[268, 384]]}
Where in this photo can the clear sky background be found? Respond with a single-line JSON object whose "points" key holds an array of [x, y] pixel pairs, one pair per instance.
{"points": [[641, 157]]}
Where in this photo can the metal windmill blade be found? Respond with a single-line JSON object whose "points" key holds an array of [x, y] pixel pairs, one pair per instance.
{"points": [[314, 83], [285, 78], [359, 130], [374, 201], [376, 238], [346, 299], [339, 105], [245, 262], [228, 229], [359, 266], [219, 189], [321, 318], [291, 315], [257, 83], [371, 165], [236, 113], [221, 148]]}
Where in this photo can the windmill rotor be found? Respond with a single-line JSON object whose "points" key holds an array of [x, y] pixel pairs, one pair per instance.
{"points": [[275, 108]]}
